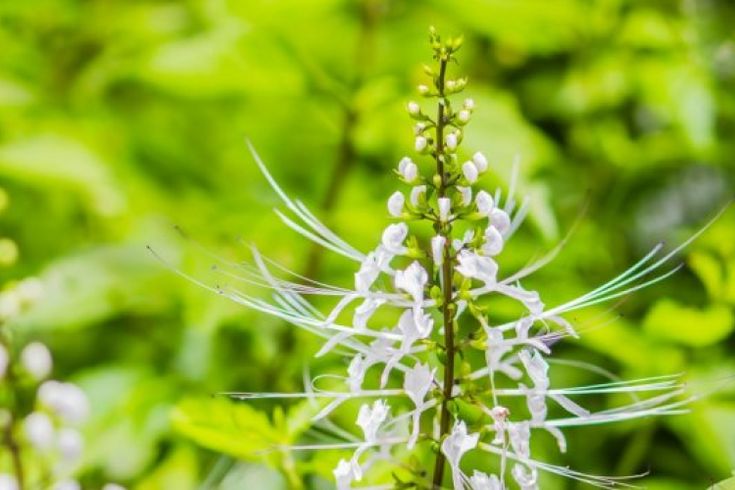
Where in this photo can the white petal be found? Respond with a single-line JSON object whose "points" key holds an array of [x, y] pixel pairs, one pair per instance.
{"points": [[469, 170]]}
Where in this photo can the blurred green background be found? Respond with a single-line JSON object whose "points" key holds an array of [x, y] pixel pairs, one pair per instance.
{"points": [[122, 118]]}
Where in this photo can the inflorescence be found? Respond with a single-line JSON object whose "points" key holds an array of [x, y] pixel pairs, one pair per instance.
{"points": [[446, 377]]}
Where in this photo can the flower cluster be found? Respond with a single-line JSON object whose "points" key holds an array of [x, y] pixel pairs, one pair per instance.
{"points": [[445, 377], [39, 417]]}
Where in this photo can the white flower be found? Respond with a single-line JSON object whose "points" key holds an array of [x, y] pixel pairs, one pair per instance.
{"points": [[365, 311], [470, 172], [416, 194], [413, 108], [451, 141], [526, 477], [437, 249], [417, 383], [371, 418], [484, 203], [419, 128], [412, 280], [67, 400], [393, 238], [493, 243], [455, 446], [475, 266], [345, 473], [464, 116], [414, 325], [420, 144], [70, 444], [466, 193], [445, 206], [469, 104], [4, 360], [8, 482], [481, 481], [67, 485], [480, 161], [500, 415], [407, 169], [395, 204], [500, 220], [368, 273], [39, 430], [36, 359]]}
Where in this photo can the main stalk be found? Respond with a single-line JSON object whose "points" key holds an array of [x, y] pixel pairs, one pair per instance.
{"points": [[446, 281]]}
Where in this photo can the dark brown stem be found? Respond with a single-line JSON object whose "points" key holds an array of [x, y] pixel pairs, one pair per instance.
{"points": [[9, 435], [446, 273]]}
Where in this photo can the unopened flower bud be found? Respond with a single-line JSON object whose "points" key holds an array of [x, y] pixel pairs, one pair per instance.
{"points": [[451, 85], [407, 169], [36, 359], [70, 444], [420, 144], [466, 193], [395, 204], [417, 194], [423, 89], [470, 172], [480, 161], [419, 128], [484, 203], [4, 360], [437, 249], [413, 108], [39, 430], [451, 141], [500, 220], [469, 104], [67, 400], [444, 208], [464, 116], [112, 486]]}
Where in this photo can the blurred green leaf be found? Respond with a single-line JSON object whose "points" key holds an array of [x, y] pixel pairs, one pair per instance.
{"points": [[236, 429], [670, 321]]}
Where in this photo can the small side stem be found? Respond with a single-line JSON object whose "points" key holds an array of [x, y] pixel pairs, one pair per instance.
{"points": [[446, 274], [9, 436]]}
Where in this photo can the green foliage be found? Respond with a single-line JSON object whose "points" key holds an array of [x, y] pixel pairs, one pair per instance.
{"points": [[119, 119]]}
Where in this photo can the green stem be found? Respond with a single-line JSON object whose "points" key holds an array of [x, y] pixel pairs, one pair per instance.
{"points": [[446, 272]]}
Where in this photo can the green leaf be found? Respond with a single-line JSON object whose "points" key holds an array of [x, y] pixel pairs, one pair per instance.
{"points": [[728, 484], [689, 326], [53, 160], [236, 429]]}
